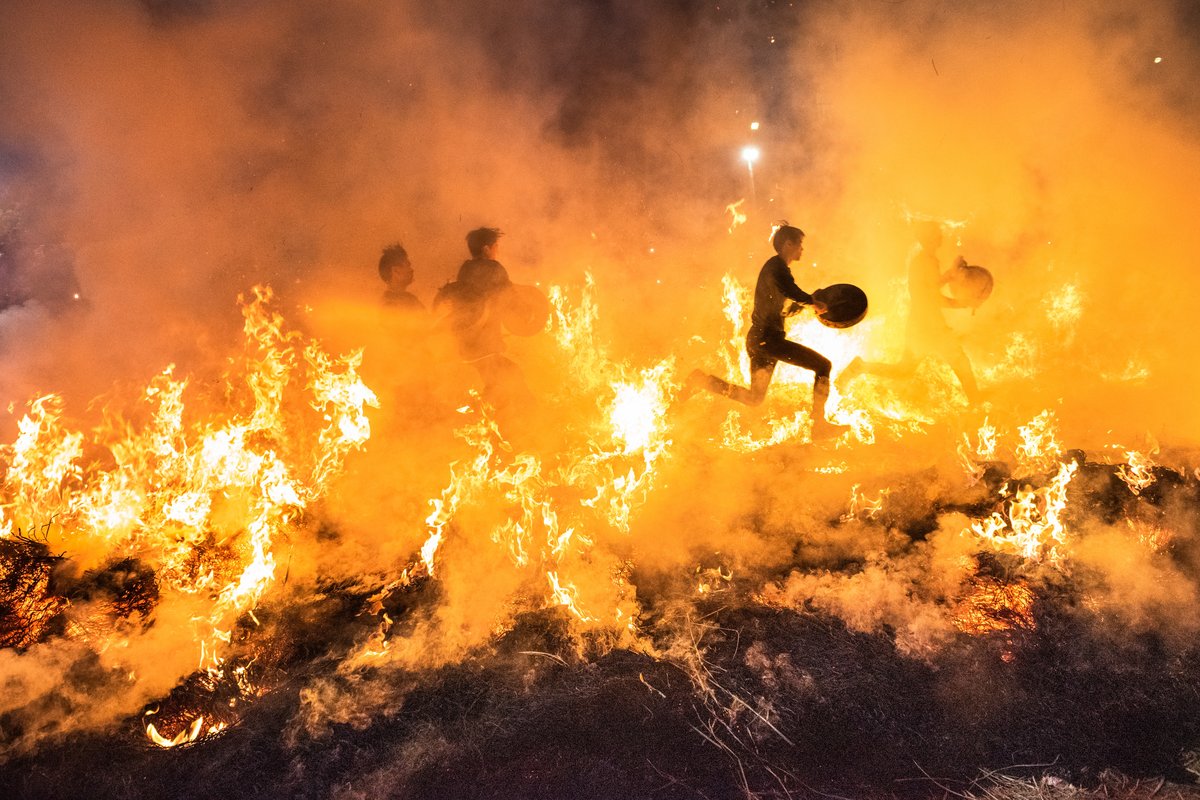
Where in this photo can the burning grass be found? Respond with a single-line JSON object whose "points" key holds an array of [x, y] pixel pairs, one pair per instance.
{"points": [[726, 698], [583, 615]]}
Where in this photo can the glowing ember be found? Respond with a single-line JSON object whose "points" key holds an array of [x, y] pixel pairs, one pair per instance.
{"points": [[995, 606]]}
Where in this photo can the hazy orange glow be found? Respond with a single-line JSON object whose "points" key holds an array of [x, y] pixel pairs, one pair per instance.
{"points": [[327, 443]]}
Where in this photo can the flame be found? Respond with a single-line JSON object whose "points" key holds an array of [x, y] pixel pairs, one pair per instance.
{"points": [[1033, 524], [1018, 364], [736, 214], [983, 450], [868, 411], [637, 409], [1064, 308], [210, 498], [1137, 471], [1135, 371], [779, 431], [547, 506], [1039, 448], [566, 595], [861, 505], [186, 735], [736, 305], [203, 502], [711, 580]]}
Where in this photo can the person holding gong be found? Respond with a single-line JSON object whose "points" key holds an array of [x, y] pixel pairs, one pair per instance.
{"points": [[766, 341], [928, 335]]}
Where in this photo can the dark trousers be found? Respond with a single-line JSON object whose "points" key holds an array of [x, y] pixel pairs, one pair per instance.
{"points": [[766, 349]]}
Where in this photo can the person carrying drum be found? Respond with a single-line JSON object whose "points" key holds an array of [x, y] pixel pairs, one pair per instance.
{"points": [[928, 335], [767, 343]]}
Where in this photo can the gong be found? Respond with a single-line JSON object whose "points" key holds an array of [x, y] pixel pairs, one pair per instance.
{"points": [[524, 310], [845, 303], [970, 284]]}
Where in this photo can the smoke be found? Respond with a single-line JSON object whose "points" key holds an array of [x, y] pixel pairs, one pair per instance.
{"points": [[159, 158], [1054, 138]]}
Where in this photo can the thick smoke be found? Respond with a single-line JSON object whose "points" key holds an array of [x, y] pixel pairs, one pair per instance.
{"points": [[158, 159]]}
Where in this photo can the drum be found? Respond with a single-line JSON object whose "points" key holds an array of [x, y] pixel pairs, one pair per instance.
{"points": [[969, 284], [845, 303], [524, 310]]}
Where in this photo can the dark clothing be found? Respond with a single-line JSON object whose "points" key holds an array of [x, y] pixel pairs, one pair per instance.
{"points": [[471, 301], [767, 343], [401, 300], [474, 314], [483, 276], [766, 350], [775, 286]]}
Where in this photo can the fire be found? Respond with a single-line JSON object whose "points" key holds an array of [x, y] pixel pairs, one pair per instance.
{"points": [[566, 596], [553, 502], [1064, 308], [208, 498], [1020, 358], [866, 411], [1033, 525], [169, 489], [1039, 449], [736, 214], [861, 505], [711, 580], [189, 734], [637, 409], [983, 450], [1134, 371], [779, 431], [1137, 470], [736, 305]]}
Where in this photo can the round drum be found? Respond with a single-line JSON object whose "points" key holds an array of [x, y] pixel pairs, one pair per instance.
{"points": [[524, 310], [846, 305], [970, 285]]}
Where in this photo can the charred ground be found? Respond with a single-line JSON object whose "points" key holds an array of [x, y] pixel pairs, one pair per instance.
{"points": [[724, 695]]}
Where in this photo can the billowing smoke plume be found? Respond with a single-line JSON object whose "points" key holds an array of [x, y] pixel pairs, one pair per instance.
{"points": [[158, 159]]}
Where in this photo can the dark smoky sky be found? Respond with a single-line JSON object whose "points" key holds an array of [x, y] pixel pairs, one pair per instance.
{"points": [[159, 157]]}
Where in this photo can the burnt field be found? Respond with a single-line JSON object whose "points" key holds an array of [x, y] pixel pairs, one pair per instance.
{"points": [[736, 684], [599, 399]]}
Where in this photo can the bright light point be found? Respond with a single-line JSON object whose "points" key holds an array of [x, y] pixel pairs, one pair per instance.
{"points": [[750, 154], [76, 295], [753, 126], [651, 249], [1158, 60]]}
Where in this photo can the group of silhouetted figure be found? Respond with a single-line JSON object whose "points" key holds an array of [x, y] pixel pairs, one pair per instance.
{"points": [[472, 309], [469, 307]]}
